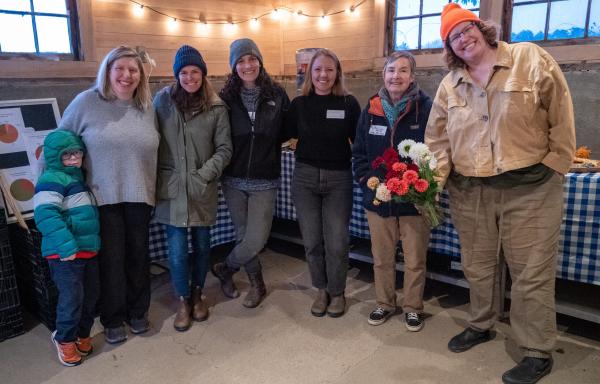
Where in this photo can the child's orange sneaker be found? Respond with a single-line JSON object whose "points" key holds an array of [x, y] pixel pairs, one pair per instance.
{"points": [[84, 346], [67, 352]]}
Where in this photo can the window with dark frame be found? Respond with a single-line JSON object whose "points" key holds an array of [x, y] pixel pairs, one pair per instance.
{"points": [[550, 20], [416, 23], [39, 28]]}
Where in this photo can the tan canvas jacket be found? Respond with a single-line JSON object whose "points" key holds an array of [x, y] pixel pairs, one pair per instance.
{"points": [[522, 117]]}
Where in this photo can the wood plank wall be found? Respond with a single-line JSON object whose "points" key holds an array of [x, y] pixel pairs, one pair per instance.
{"points": [[358, 41], [106, 24]]}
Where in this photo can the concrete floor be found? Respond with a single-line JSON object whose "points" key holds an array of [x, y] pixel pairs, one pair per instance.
{"points": [[281, 342]]}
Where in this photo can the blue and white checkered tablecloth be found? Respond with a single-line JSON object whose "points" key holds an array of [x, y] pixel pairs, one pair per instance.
{"points": [[579, 246], [220, 233]]}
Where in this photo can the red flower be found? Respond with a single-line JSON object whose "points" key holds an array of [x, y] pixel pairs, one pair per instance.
{"points": [[403, 188], [390, 156], [413, 167], [410, 176], [399, 167], [393, 184], [377, 162], [421, 185], [391, 174]]}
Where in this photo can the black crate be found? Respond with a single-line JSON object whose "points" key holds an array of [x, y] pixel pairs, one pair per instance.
{"points": [[11, 323], [9, 293], [38, 292]]}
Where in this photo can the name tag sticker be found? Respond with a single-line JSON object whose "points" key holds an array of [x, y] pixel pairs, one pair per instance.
{"points": [[415, 126], [378, 130], [336, 114]]}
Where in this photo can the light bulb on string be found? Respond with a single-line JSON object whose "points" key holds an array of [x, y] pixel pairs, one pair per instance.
{"points": [[324, 21], [172, 24], [138, 10], [254, 23], [275, 14]]}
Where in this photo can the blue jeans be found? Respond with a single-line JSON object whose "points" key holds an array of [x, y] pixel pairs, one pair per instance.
{"points": [[181, 262], [323, 201], [252, 216], [78, 284]]}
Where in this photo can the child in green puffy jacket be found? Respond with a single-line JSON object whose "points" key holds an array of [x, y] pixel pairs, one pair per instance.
{"points": [[66, 215]]}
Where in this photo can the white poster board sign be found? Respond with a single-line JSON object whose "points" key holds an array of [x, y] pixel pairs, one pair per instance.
{"points": [[24, 125]]}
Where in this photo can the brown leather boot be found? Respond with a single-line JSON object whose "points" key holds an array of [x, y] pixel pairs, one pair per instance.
{"points": [[319, 307], [182, 320], [257, 291], [199, 307], [337, 307], [225, 276]]}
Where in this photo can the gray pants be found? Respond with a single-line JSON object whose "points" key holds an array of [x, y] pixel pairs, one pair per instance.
{"points": [[323, 201], [252, 216]]}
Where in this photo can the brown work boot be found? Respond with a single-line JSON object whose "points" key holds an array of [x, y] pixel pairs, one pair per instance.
{"points": [[319, 307], [337, 307], [225, 276], [182, 320], [257, 291], [199, 307]]}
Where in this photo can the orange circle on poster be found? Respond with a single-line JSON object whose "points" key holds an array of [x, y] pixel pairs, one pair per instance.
{"points": [[22, 189], [8, 133], [38, 152]]}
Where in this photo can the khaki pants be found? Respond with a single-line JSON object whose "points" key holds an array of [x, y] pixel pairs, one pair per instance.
{"points": [[414, 234], [524, 224]]}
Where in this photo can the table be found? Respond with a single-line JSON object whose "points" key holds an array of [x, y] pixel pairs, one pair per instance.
{"points": [[579, 244]]}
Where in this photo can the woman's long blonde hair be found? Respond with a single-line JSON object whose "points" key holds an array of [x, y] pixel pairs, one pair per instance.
{"points": [[142, 98]]}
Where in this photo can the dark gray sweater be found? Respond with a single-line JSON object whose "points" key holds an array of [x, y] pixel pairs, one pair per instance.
{"points": [[122, 147]]}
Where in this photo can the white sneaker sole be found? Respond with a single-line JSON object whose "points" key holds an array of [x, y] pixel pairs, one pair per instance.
{"points": [[65, 363], [413, 328]]}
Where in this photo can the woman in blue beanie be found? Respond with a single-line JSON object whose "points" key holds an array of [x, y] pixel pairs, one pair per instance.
{"points": [[257, 107], [195, 147]]}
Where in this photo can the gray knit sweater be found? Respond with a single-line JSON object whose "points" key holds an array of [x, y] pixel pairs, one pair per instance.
{"points": [[122, 147]]}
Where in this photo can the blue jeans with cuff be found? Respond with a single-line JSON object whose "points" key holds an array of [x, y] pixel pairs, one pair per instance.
{"points": [[188, 266], [78, 284]]}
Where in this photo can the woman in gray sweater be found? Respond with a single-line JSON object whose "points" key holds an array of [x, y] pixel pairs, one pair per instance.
{"points": [[195, 146], [117, 123]]}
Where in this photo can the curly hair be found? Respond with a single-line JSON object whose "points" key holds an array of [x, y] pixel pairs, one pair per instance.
{"points": [[490, 32], [234, 84]]}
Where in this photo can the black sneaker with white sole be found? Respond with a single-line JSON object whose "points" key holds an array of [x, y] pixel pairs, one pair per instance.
{"points": [[413, 321], [379, 316]]}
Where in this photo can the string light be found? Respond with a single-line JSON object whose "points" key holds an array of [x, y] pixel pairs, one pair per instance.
{"points": [[276, 14], [172, 24], [254, 23], [324, 21], [138, 10]]}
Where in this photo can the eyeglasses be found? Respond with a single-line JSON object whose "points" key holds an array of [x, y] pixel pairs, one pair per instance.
{"points": [[68, 154], [466, 31]]}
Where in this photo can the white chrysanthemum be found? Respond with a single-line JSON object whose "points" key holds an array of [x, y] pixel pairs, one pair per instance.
{"points": [[383, 193], [405, 146], [419, 153], [433, 163]]}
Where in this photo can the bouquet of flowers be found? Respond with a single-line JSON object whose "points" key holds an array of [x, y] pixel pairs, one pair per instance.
{"points": [[408, 182]]}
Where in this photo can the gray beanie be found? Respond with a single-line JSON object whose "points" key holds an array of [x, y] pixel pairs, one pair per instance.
{"points": [[185, 56], [241, 47]]}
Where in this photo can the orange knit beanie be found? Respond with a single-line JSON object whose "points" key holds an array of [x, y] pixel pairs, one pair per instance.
{"points": [[452, 15]]}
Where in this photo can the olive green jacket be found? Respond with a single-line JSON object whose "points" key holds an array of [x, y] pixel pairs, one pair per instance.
{"points": [[191, 157]]}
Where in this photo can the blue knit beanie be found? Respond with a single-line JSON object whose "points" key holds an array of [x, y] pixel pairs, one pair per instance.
{"points": [[241, 47], [187, 55]]}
